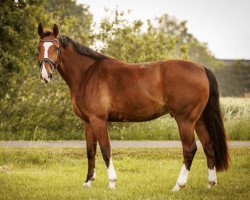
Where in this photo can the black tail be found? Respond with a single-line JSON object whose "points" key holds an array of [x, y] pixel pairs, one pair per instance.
{"points": [[214, 124]]}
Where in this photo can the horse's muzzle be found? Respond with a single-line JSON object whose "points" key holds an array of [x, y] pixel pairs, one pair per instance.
{"points": [[46, 80]]}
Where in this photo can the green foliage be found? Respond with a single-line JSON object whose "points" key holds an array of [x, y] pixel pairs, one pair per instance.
{"points": [[18, 24], [46, 114], [163, 128], [143, 173], [74, 20], [131, 43]]}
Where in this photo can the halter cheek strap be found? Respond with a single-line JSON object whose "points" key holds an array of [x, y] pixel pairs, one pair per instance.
{"points": [[52, 63]]}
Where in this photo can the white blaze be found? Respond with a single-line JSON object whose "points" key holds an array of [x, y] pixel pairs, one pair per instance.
{"points": [[46, 46], [44, 72]]}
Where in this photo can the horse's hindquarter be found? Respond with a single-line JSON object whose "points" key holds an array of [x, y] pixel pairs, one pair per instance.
{"points": [[186, 87]]}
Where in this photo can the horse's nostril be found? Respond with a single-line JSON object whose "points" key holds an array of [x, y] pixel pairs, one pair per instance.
{"points": [[50, 75]]}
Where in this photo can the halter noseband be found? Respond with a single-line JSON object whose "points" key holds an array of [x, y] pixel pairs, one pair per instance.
{"points": [[52, 63]]}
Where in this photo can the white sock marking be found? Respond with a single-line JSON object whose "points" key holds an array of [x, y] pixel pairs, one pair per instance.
{"points": [[89, 182], [111, 171], [182, 179], [111, 175], [212, 178]]}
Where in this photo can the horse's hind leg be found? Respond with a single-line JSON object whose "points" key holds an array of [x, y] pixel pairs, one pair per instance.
{"points": [[91, 152], [100, 130], [204, 137], [186, 131]]}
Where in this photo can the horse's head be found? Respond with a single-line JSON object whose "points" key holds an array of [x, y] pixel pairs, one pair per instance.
{"points": [[49, 52]]}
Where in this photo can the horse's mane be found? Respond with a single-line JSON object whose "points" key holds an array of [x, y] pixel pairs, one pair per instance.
{"points": [[79, 48]]}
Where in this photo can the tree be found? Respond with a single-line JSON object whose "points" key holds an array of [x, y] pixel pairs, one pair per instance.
{"points": [[234, 79], [17, 32], [74, 19], [129, 42]]}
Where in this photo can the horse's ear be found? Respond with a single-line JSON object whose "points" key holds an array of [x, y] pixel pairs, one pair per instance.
{"points": [[55, 30], [40, 29]]}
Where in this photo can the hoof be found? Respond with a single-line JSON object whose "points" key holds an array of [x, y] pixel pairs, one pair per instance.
{"points": [[211, 184], [112, 184], [87, 184], [177, 188]]}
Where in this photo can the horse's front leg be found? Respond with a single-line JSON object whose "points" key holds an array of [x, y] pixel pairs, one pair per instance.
{"points": [[100, 130], [91, 152]]}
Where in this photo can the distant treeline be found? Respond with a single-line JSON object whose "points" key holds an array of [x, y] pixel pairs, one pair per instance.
{"points": [[234, 78]]}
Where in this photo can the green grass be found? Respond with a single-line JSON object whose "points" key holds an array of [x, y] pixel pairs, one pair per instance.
{"points": [[236, 117], [143, 173]]}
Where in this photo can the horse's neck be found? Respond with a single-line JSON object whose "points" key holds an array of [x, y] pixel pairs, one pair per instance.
{"points": [[72, 67]]}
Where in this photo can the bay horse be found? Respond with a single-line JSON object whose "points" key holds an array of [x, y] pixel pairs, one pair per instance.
{"points": [[104, 89]]}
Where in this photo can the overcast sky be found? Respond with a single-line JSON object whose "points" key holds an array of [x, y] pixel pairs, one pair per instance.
{"points": [[223, 24]]}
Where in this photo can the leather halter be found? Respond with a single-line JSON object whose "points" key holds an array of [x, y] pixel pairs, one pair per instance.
{"points": [[52, 63]]}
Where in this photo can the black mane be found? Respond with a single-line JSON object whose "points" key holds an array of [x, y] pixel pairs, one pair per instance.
{"points": [[81, 49]]}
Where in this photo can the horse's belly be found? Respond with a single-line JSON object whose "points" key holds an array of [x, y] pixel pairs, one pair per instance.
{"points": [[138, 115]]}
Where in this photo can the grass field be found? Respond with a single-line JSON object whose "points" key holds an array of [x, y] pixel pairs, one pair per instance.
{"points": [[143, 173]]}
